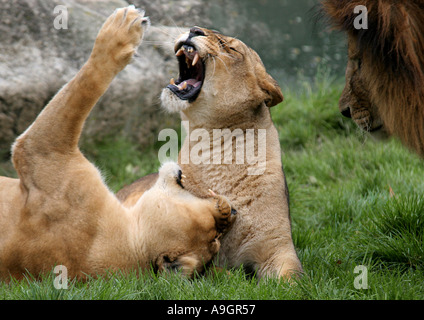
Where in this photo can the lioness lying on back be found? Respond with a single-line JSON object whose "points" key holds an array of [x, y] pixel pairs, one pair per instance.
{"points": [[60, 212]]}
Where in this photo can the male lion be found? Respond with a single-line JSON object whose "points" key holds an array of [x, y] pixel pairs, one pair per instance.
{"points": [[384, 90], [223, 85], [60, 212]]}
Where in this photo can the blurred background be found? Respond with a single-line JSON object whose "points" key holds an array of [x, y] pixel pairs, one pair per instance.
{"points": [[287, 34]]}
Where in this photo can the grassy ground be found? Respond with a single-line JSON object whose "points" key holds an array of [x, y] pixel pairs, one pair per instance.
{"points": [[354, 202]]}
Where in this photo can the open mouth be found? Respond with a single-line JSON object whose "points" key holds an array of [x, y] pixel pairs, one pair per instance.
{"points": [[192, 73]]}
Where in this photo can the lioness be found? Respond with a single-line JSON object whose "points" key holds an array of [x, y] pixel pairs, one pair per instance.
{"points": [[223, 84], [60, 212]]}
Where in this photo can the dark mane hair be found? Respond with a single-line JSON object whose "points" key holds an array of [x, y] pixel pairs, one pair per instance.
{"points": [[392, 51], [395, 34]]}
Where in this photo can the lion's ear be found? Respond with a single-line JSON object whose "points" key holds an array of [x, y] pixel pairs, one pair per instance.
{"points": [[266, 83], [271, 88]]}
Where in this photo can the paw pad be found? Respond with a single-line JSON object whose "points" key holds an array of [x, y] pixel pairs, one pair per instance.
{"points": [[226, 213]]}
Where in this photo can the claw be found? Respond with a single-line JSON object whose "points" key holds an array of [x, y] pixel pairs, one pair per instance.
{"points": [[146, 22], [180, 179]]}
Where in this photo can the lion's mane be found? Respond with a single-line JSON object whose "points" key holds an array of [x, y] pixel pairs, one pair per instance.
{"points": [[392, 54]]}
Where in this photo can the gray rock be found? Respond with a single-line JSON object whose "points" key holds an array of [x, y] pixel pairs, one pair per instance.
{"points": [[37, 59], [177, 13]]}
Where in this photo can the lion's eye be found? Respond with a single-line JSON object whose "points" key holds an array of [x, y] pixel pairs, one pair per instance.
{"points": [[356, 63], [235, 50], [222, 43], [197, 32]]}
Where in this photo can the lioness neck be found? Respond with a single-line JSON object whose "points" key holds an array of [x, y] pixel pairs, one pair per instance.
{"points": [[119, 245], [226, 159], [248, 117]]}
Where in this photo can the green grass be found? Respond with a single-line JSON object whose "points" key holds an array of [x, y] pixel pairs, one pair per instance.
{"points": [[354, 201]]}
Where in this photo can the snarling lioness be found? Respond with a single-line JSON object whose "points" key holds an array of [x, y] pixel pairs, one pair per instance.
{"points": [[60, 212], [223, 85]]}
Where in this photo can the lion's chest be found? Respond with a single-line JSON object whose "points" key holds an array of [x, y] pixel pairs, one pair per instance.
{"points": [[231, 181]]}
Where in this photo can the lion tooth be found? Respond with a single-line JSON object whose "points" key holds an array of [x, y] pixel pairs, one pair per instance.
{"points": [[172, 81], [180, 52], [195, 59], [182, 86]]}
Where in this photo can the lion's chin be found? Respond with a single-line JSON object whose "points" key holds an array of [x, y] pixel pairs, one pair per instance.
{"points": [[379, 134], [171, 103]]}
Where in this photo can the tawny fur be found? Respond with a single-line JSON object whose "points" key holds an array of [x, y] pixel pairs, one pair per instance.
{"points": [[236, 95], [385, 71], [60, 212]]}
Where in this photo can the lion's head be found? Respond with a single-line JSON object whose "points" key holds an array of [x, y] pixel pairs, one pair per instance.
{"points": [[180, 232], [384, 90], [217, 71]]}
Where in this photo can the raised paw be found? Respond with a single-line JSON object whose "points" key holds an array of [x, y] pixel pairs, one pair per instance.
{"points": [[119, 38], [225, 214], [171, 172]]}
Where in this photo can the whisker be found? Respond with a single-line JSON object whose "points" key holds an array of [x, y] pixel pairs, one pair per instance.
{"points": [[85, 8], [223, 63], [170, 32], [164, 30], [229, 55], [173, 22], [159, 43], [214, 67]]}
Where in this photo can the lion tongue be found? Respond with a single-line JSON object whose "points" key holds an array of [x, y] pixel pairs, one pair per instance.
{"points": [[193, 82], [182, 86]]}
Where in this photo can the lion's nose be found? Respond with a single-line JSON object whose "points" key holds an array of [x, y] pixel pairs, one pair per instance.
{"points": [[346, 112]]}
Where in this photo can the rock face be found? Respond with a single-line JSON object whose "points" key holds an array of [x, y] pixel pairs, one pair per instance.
{"points": [[40, 51]]}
